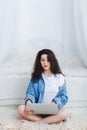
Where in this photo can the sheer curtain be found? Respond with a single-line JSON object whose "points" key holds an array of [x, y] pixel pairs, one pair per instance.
{"points": [[75, 27], [8, 34], [59, 20], [80, 21]]}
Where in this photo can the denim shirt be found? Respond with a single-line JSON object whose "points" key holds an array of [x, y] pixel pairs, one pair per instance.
{"points": [[35, 93]]}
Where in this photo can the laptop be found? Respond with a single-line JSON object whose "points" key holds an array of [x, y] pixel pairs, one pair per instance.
{"points": [[42, 108]]}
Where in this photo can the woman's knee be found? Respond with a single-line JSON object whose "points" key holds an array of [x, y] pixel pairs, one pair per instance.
{"points": [[65, 112], [21, 109]]}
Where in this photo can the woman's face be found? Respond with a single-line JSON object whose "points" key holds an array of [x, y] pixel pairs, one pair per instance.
{"points": [[44, 62]]}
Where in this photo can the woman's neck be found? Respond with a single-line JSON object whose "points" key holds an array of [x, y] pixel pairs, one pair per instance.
{"points": [[48, 73]]}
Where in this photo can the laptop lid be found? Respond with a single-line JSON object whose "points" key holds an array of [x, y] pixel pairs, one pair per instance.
{"points": [[42, 108]]}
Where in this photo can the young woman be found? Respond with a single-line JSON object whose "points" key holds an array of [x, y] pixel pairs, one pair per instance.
{"points": [[47, 85]]}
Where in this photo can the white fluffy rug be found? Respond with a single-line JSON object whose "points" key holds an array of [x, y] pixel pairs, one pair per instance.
{"points": [[10, 120]]}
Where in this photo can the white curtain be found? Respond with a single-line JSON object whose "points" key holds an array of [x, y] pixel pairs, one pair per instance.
{"points": [[75, 27], [80, 21], [58, 20], [8, 35]]}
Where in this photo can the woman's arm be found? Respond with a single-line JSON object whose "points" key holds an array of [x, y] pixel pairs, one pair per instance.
{"points": [[61, 98]]}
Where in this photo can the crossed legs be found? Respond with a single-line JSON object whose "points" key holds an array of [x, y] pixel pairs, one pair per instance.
{"points": [[51, 119], [30, 117]]}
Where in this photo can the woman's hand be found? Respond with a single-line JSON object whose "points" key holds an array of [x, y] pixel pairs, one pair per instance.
{"points": [[26, 110]]}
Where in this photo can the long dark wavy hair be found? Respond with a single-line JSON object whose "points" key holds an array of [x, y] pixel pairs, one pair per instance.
{"points": [[37, 70]]}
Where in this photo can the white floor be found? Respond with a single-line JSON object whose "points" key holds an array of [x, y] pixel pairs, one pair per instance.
{"points": [[10, 120]]}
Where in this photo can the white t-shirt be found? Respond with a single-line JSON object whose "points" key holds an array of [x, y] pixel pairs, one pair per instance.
{"points": [[52, 84]]}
